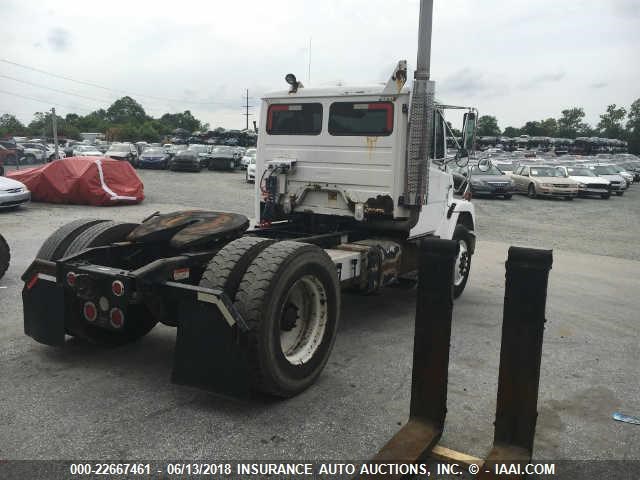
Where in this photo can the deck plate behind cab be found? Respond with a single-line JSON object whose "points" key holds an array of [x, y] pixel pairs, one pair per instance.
{"points": [[190, 228]]}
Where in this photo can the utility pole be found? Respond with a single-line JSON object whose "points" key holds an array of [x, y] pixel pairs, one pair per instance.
{"points": [[55, 132], [246, 106]]}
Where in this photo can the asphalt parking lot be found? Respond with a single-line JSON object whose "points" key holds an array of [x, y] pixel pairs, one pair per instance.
{"points": [[94, 403]]}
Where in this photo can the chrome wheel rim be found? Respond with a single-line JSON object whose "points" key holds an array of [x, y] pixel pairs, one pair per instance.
{"points": [[303, 320], [462, 264]]}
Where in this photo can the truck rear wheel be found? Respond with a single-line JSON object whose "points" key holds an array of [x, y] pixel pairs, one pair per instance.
{"points": [[226, 269], [290, 297], [137, 320], [57, 243], [5, 256], [463, 260]]}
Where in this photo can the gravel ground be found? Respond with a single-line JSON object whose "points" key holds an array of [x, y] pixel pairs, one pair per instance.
{"points": [[86, 402]]}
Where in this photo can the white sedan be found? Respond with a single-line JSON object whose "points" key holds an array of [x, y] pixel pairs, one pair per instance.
{"points": [[13, 193], [87, 151], [248, 155], [251, 170]]}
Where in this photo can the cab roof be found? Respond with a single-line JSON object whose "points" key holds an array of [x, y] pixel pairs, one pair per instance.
{"points": [[336, 91]]}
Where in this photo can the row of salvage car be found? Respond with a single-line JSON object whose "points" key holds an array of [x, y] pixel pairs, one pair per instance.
{"points": [[561, 177]]}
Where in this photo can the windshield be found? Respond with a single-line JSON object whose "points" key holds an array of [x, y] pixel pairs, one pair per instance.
{"points": [[491, 171], [119, 148], [223, 150], [199, 148], [505, 166], [580, 172], [153, 151], [177, 148], [84, 148], [604, 170], [546, 172]]}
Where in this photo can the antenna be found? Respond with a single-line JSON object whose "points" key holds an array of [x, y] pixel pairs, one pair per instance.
{"points": [[309, 64]]}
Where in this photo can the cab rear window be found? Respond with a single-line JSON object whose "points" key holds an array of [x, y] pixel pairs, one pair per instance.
{"points": [[365, 118], [294, 119]]}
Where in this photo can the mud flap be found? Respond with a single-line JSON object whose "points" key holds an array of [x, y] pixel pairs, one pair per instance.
{"points": [[208, 353], [43, 305]]}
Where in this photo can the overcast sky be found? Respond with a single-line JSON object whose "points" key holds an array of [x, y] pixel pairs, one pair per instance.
{"points": [[518, 60]]}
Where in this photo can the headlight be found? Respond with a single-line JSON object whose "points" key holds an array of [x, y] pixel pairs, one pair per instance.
{"points": [[581, 185], [547, 185], [477, 182]]}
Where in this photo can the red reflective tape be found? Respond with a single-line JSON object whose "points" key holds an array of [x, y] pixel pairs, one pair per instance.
{"points": [[32, 282], [274, 108]]}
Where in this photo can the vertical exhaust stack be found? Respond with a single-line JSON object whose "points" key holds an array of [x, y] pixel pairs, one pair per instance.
{"points": [[420, 116]]}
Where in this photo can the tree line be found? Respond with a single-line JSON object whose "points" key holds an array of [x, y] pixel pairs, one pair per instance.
{"points": [[616, 122], [124, 120]]}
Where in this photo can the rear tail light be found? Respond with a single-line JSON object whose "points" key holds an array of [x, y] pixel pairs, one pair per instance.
{"points": [[90, 311], [117, 287], [71, 279], [116, 317]]}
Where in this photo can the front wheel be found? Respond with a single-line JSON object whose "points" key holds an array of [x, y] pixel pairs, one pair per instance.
{"points": [[5, 256], [531, 192], [507, 196], [290, 296], [619, 194], [463, 260], [605, 196]]}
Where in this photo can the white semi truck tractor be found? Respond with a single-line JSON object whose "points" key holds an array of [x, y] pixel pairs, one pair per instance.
{"points": [[349, 181]]}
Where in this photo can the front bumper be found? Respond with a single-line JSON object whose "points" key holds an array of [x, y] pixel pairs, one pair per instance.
{"points": [[557, 192], [492, 189], [594, 190], [181, 165], [222, 163], [151, 163], [8, 200]]}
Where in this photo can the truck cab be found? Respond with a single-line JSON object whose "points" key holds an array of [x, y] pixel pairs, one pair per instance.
{"points": [[342, 152]]}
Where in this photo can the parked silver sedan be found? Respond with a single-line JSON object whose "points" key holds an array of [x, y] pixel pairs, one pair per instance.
{"points": [[13, 193]]}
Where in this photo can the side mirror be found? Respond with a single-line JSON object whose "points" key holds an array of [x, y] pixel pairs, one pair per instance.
{"points": [[468, 132], [484, 165]]}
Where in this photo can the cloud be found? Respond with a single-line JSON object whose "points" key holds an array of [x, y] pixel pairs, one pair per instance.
{"points": [[470, 83], [59, 39], [626, 8], [540, 79], [599, 84]]}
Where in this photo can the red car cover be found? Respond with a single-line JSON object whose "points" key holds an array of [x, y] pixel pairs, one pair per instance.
{"points": [[83, 181]]}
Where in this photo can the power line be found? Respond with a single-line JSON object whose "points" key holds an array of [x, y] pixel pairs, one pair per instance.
{"points": [[55, 89], [83, 107], [95, 85]]}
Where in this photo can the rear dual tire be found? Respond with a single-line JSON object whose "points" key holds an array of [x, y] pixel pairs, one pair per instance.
{"points": [[288, 292]]}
